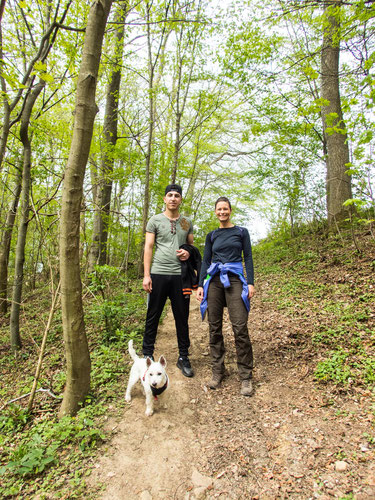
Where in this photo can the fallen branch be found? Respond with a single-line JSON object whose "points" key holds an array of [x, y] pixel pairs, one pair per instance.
{"points": [[50, 393], [43, 346]]}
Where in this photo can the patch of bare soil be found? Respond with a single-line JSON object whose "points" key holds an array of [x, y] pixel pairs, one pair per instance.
{"points": [[289, 440]]}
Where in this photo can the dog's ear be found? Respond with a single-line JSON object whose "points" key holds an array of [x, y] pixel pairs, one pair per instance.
{"points": [[163, 361], [148, 362]]}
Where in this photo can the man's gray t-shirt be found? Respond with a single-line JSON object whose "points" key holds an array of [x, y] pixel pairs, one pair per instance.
{"points": [[169, 236]]}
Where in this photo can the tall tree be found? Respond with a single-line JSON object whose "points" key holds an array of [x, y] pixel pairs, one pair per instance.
{"points": [[337, 181], [185, 56], [25, 208], [76, 346], [6, 242], [153, 81], [98, 250]]}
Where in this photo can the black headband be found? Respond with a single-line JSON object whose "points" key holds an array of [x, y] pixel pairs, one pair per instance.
{"points": [[173, 187]]}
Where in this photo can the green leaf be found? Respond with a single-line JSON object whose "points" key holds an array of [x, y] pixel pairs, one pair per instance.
{"points": [[47, 77], [40, 66], [353, 201]]}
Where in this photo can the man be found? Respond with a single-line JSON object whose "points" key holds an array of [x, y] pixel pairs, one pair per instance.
{"points": [[167, 232]]}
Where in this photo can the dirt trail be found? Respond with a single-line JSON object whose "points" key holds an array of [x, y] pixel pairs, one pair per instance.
{"points": [[290, 440]]}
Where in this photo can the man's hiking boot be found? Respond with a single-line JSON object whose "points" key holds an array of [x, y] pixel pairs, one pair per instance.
{"points": [[184, 365], [246, 387], [215, 381], [145, 356]]}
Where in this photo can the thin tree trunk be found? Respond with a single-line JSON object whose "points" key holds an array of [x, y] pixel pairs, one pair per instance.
{"points": [[193, 179], [2, 7], [151, 120], [15, 338], [98, 250], [152, 86], [6, 106], [338, 183], [76, 346], [5, 244], [180, 106], [176, 146]]}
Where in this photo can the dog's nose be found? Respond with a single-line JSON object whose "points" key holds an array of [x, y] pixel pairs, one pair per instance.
{"points": [[154, 384]]}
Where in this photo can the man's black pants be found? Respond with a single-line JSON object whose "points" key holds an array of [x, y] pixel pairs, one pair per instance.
{"points": [[164, 286]]}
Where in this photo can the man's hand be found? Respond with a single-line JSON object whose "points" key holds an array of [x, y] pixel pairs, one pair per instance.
{"points": [[251, 291], [182, 254], [200, 294], [147, 284]]}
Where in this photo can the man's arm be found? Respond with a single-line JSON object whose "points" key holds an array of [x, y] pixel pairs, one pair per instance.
{"points": [[147, 258]]}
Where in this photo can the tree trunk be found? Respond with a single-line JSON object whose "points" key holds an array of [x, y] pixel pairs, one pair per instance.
{"points": [[338, 183], [152, 87], [76, 346], [183, 84], [192, 180], [2, 7], [6, 106], [98, 250], [5, 245], [151, 124], [15, 338]]}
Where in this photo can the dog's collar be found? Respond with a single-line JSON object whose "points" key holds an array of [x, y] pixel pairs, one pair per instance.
{"points": [[156, 391]]}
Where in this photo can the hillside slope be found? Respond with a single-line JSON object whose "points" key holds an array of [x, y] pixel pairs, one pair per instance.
{"points": [[307, 432]]}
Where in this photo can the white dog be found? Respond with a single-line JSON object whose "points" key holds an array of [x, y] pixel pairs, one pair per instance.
{"points": [[152, 375]]}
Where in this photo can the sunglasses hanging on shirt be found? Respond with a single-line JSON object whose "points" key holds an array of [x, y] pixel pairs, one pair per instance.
{"points": [[173, 226]]}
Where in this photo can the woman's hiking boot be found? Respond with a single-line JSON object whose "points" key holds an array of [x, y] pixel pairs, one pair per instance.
{"points": [[246, 387], [215, 381]]}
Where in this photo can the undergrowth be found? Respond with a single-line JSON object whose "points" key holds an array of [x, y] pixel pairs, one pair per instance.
{"points": [[326, 284], [39, 453]]}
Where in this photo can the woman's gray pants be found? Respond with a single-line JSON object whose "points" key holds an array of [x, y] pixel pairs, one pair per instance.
{"points": [[218, 297]]}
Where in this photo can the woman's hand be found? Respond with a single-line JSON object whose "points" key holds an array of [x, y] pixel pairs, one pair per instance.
{"points": [[251, 292], [200, 294]]}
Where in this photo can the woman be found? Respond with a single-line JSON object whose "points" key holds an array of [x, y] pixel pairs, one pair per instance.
{"points": [[222, 283]]}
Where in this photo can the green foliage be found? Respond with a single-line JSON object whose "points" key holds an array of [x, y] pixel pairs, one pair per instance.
{"points": [[13, 420], [370, 438], [31, 457], [41, 445], [335, 368], [369, 370], [114, 309], [329, 336]]}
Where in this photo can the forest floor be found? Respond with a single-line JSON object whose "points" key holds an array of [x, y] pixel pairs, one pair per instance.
{"points": [[293, 438]]}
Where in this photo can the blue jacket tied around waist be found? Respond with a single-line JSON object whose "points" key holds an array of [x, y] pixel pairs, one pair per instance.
{"points": [[232, 267]]}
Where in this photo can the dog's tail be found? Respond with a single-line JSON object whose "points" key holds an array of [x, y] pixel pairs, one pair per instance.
{"points": [[131, 350]]}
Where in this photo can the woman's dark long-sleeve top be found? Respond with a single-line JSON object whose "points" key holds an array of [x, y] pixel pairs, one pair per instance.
{"points": [[226, 245]]}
